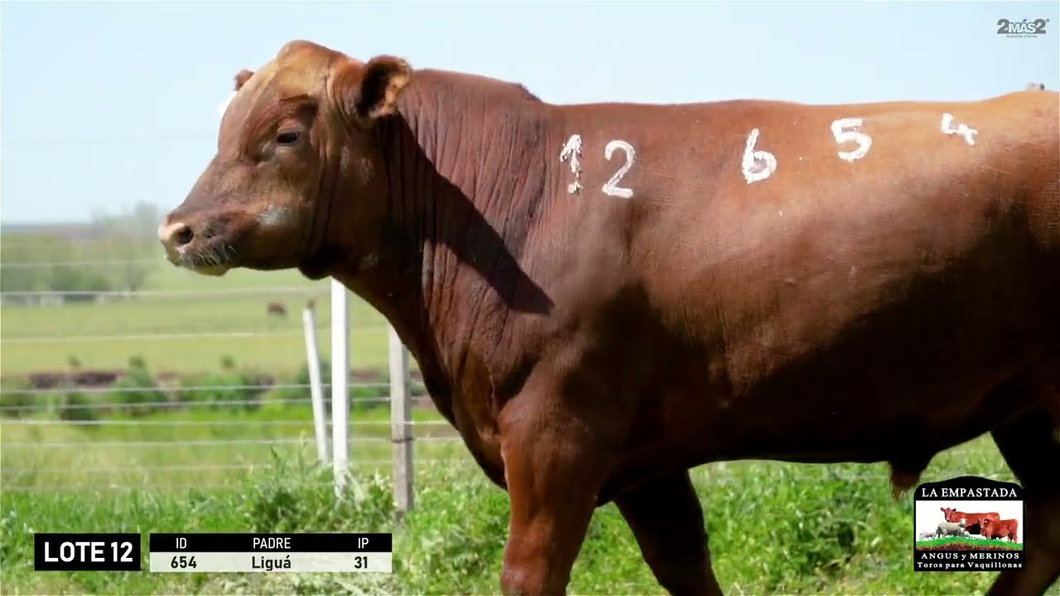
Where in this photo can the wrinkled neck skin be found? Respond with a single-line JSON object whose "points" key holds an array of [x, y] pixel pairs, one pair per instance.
{"points": [[461, 171]]}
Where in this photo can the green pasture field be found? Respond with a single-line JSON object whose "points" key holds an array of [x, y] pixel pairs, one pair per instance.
{"points": [[202, 447], [43, 338], [775, 528]]}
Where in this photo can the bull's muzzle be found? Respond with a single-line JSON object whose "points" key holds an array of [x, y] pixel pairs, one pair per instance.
{"points": [[174, 236]]}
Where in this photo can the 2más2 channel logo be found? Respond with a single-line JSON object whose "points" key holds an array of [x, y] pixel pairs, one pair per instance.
{"points": [[1024, 28]]}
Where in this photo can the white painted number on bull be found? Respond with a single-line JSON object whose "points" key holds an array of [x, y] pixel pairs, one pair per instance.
{"points": [[571, 150], [611, 187], [962, 130], [757, 165], [842, 131]]}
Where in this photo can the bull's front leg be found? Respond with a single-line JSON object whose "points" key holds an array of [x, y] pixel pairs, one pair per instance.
{"points": [[555, 464]]}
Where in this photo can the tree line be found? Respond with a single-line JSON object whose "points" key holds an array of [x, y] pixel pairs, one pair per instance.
{"points": [[82, 260]]}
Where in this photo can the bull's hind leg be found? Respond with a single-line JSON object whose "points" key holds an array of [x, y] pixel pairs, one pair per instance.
{"points": [[667, 520], [1032, 449]]}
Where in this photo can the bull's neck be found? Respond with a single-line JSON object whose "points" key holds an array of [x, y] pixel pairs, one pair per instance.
{"points": [[466, 171]]}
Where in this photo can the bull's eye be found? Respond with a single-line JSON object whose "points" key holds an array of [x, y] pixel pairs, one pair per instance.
{"points": [[288, 138]]}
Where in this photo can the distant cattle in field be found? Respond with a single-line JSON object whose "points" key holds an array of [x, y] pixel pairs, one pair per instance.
{"points": [[94, 378], [973, 520], [277, 310], [1000, 528], [46, 380], [1035, 87]]}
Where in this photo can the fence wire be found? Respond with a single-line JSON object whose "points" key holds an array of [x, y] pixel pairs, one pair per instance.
{"points": [[203, 435], [90, 426]]}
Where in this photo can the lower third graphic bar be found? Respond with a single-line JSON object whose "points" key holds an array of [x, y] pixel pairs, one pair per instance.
{"points": [[265, 562]]}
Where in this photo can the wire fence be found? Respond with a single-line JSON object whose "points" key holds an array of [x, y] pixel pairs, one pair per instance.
{"points": [[170, 388], [176, 389]]}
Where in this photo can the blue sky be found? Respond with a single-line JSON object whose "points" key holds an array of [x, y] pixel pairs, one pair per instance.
{"points": [[103, 104]]}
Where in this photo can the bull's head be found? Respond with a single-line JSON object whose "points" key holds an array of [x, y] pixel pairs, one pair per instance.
{"points": [[294, 153], [948, 514]]}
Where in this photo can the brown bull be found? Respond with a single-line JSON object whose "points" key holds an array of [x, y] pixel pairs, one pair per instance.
{"points": [[972, 520], [1001, 528], [603, 296]]}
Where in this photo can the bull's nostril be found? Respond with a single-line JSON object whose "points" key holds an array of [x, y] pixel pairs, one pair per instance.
{"points": [[182, 236]]}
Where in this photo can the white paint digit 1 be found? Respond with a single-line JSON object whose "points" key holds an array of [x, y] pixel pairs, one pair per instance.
{"points": [[610, 187], [750, 157], [570, 151], [841, 130], [963, 129]]}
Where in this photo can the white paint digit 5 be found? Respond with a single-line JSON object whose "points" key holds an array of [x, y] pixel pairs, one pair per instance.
{"points": [[611, 187], [842, 131], [751, 159]]}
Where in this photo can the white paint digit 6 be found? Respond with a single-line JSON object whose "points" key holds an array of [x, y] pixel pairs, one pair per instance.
{"points": [[750, 157], [611, 187]]}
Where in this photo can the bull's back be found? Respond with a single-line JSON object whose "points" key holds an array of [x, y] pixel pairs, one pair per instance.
{"points": [[834, 229], [888, 252]]}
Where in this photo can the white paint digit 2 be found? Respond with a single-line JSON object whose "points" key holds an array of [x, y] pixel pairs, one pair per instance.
{"points": [[611, 187], [841, 130], [750, 157], [962, 130]]}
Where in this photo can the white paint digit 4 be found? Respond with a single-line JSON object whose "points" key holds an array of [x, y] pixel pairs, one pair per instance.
{"points": [[963, 129], [843, 132], [757, 165], [611, 187]]}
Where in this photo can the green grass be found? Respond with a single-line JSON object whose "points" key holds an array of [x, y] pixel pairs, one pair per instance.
{"points": [[968, 540], [775, 527]]}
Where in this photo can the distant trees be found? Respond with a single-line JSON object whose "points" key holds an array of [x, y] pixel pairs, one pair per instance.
{"points": [[130, 237], [106, 254]]}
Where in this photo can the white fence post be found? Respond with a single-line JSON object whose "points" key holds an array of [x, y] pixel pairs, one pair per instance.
{"points": [[340, 371], [316, 391], [401, 422]]}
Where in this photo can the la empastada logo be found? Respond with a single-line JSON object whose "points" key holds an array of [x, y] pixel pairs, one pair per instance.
{"points": [[968, 523]]}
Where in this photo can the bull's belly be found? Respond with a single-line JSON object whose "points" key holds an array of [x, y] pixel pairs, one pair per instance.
{"points": [[877, 397], [836, 415]]}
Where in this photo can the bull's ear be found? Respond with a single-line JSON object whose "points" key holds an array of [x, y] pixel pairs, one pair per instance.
{"points": [[242, 77], [374, 90]]}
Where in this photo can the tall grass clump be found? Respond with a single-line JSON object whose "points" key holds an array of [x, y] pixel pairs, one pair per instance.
{"points": [[17, 399], [138, 389], [232, 384]]}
